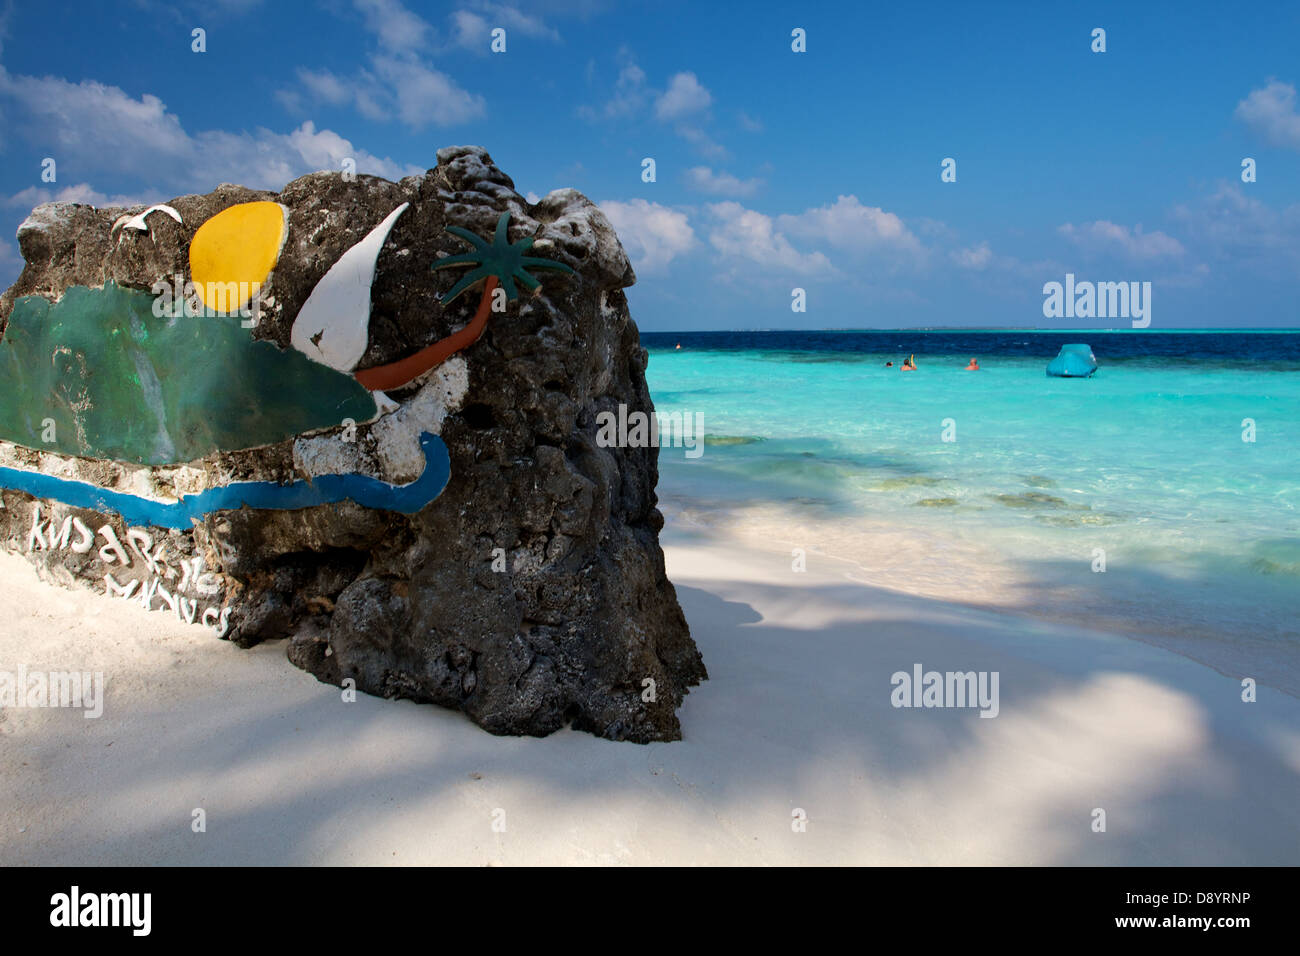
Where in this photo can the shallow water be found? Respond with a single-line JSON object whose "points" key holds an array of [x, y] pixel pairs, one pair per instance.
{"points": [[1145, 462]]}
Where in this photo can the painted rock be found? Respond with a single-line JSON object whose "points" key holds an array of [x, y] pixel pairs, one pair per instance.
{"points": [[294, 416]]}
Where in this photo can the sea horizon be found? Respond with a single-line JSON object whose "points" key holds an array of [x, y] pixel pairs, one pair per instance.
{"points": [[984, 328]]}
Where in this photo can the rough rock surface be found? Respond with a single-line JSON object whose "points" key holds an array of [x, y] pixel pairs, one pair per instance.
{"points": [[582, 617]]}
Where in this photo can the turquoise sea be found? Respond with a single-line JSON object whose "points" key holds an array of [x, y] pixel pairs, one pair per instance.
{"points": [[813, 441]]}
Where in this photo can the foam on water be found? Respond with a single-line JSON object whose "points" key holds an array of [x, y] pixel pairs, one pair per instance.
{"points": [[1145, 461]]}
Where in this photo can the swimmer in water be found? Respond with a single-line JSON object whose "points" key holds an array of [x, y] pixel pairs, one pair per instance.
{"points": [[909, 363], [974, 366], [889, 365]]}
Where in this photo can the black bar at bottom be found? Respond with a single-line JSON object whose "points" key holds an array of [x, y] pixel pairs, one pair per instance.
{"points": [[305, 905]]}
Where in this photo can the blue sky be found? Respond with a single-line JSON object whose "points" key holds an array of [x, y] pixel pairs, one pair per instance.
{"points": [[775, 170]]}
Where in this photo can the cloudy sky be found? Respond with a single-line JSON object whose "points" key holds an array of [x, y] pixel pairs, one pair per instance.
{"points": [[775, 170]]}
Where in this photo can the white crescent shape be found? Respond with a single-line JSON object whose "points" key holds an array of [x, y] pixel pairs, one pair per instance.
{"points": [[333, 325], [137, 222]]}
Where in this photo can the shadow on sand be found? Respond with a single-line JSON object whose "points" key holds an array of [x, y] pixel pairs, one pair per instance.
{"points": [[796, 714]]}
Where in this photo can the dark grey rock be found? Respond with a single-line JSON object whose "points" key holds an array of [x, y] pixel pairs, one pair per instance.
{"points": [[409, 606]]}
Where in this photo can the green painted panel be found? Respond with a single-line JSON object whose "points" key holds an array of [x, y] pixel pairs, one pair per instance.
{"points": [[123, 384]]}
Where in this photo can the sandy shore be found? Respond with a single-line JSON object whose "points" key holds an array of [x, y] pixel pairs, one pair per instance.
{"points": [[797, 715]]}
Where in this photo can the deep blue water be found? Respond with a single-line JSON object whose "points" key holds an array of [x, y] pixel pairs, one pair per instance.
{"points": [[1279, 349]]}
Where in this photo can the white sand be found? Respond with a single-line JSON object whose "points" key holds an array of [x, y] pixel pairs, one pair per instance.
{"points": [[796, 715]]}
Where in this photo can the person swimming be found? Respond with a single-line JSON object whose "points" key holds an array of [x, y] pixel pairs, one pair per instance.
{"points": [[889, 365], [909, 363], [974, 366]]}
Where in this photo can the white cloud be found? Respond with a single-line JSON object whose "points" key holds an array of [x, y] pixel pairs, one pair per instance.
{"points": [[975, 257], [473, 31], [398, 83], [269, 160], [748, 123], [630, 93], [326, 149], [701, 140], [748, 234], [1271, 112], [396, 28], [982, 263], [1105, 237], [90, 126], [933, 229], [684, 97], [653, 235], [515, 20], [684, 103], [290, 100], [425, 95], [325, 86], [90, 119], [724, 184], [33, 196], [848, 224], [1229, 225]]}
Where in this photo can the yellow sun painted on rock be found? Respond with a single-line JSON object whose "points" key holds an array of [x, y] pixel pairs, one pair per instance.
{"points": [[233, 253]]}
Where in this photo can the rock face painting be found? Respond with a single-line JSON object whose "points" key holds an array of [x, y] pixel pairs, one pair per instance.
{"points": [[118, 382], [278, 416], [233, 253], [333, 325]]}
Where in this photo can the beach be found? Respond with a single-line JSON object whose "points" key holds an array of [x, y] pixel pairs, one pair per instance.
{"points": [[796, 716], [915, 654]]}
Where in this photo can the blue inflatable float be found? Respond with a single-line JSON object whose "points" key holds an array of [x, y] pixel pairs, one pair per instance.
{"points": [[1073, 361]]}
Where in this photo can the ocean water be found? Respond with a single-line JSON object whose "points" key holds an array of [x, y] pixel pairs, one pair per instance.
{"points": [[813, 442]]}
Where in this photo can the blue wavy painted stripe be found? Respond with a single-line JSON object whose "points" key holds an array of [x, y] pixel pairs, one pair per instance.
{"points": [[266, 495]]}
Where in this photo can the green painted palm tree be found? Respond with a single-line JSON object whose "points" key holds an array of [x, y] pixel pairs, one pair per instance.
{"points": [[498, 262], [499, 259]]}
